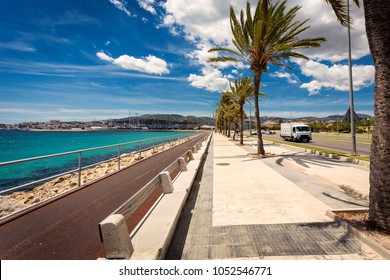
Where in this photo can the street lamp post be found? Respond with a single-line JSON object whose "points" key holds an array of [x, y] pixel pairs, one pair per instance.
{"points": [[337, 117], [250, 117], [351, 106]]}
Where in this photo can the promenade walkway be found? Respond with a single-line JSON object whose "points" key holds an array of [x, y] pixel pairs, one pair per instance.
{"points": [[271, 208]]}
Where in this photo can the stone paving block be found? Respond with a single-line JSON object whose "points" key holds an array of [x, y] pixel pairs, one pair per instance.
{"points": [[200, 240], [241, 239], [197, 253], [220, 230], [245, 251], [221, 239], [264, 249], [223, 252]]}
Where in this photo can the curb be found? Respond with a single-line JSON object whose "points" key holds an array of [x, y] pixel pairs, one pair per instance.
{"points": [[357, 233]]}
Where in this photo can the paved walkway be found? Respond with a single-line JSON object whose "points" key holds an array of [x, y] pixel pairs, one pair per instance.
{"points": [[271, 208]]}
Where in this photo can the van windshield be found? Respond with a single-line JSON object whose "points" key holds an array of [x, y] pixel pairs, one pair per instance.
{"points": [[303, 128]]}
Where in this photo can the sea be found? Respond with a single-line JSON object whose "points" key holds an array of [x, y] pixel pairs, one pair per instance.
{"points": [[22, 144]]}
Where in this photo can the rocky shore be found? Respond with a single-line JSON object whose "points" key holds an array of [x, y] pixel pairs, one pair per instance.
{"points": [[19, 200]]}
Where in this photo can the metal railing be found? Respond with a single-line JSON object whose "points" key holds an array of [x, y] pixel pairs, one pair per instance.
{"points": [[143, 145]]}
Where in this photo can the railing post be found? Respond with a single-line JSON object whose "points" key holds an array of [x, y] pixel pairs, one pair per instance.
{"points": [[140, 150], [119, 157], [79, 169]]}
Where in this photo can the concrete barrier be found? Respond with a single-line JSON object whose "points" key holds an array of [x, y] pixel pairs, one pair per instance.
{"points": [[151, 238], [117, 244]]}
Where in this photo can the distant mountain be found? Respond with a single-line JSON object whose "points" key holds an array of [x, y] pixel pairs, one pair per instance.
{"points": [[333, 117], [311, 119], [178, 121], [340, 117]]}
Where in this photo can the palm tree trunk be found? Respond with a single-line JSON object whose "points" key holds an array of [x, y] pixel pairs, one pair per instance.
{"points": [[260, 146], [377, 15], [241, 125]]}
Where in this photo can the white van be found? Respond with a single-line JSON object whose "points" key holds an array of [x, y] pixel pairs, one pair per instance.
{"points": [[295, 131]]}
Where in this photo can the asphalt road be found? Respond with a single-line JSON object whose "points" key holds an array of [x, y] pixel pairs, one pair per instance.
{"points": [[67, 229], [342, 144]]}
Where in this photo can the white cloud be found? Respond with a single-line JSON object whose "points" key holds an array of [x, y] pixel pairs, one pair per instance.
{"points": [[120, 4], [103, 56], [335, 76], [200, 19], [211, 79], [291, 78], [147, 5], [206, 24], [149, 64], [208, 21], [323, 23]]}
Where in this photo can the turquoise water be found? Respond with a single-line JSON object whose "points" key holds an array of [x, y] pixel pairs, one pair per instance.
{"points": [[16, 145]]}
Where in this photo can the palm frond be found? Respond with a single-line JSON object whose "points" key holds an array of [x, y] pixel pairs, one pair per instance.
{"points": [[281, 64], [223, 49], [249, 21], [307, 43], [340, 9], [223, 59]]}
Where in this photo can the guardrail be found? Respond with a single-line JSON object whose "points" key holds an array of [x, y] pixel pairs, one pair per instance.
{"points": [[143, 145], [114, 230]]}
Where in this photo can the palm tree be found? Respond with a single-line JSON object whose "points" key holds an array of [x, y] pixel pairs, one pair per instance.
{"points": [[242, 90], [224, 115], [267, 38], [233, 115], [377, 17]]}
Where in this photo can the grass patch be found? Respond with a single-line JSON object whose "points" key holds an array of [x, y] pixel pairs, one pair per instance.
{"points": [[325, 151], [343, 139]]}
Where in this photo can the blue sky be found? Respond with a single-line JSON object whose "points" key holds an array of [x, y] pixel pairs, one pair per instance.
{"points": [[91, 60]]}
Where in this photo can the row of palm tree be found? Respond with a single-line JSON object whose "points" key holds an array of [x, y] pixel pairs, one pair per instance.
{"points": [[270, 37], [227, 114], [230, 109]]}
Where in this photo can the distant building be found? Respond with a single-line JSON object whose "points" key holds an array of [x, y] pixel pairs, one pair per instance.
{"points": [[347, 117], [270, 123]]}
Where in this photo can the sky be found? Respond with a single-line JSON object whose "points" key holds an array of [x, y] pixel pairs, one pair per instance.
{"points": [[101, 59]]}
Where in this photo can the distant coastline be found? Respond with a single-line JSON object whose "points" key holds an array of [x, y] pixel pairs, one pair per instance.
{"points": [[108, 130]]}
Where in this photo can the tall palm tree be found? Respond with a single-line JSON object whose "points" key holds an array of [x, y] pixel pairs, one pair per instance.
{"points": [[267, 38], [242, 90], [377, 17]]}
